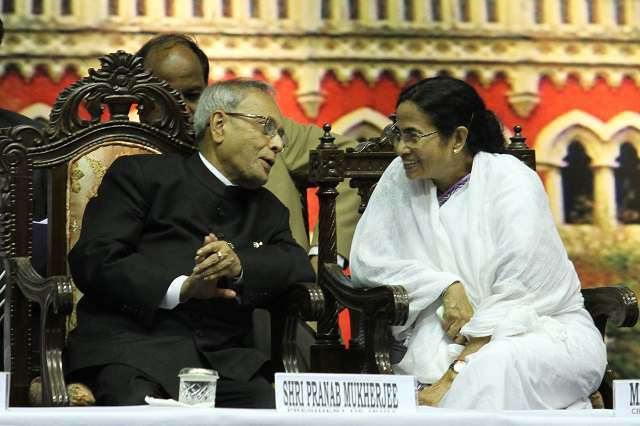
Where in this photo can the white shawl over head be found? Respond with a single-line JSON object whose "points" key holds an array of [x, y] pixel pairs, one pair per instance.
{"points": [[517, 277]]}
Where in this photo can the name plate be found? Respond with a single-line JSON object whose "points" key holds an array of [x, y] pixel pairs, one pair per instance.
{"points": [[626, 397], [345, 393]]}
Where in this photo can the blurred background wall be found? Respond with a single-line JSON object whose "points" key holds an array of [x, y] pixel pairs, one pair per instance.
{"points": [[567, 71]]}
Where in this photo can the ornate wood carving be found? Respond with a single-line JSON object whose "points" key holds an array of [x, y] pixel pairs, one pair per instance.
{"points": [[120, 83], [326, 171], [108, 93], [15, 222], [519, 148], [384, 306], [305, 302], [54, 295], [381, 307]]}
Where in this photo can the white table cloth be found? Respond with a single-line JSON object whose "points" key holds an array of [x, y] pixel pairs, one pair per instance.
{"points": [[161, 416]]}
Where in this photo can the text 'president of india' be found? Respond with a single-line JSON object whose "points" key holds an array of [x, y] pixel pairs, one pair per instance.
{"points": [[174, 254]]}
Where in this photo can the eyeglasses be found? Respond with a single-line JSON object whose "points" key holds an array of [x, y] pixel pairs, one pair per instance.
{"points": [[411, 139], [269, 126]]}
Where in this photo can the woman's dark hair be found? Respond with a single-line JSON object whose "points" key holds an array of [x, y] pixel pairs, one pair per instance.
{"points": [[449, 103], [167, 41]]}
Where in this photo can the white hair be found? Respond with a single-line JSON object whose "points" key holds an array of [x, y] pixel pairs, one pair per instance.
{"points": [[224, 96]]}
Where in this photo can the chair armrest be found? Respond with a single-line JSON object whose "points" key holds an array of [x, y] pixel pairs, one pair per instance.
{"points": [[55, 296], [305, 301], [390, 302], [55, 291], [302, 302], [618, 304]]}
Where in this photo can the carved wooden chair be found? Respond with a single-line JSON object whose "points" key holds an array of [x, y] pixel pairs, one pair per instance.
{"points": [[89, 129], [388, 305]]}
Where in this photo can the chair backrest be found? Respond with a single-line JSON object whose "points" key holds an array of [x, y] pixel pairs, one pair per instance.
{"points": [[89, 128]]}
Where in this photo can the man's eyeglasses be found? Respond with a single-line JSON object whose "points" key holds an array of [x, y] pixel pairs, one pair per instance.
{"points": [[269, 126], [411, 139]]}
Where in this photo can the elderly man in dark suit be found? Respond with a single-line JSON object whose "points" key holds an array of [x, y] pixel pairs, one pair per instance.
{"points": [[175, 253]]}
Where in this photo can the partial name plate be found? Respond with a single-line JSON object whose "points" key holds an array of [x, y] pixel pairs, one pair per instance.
{"points": [[5, 379], [626, 397], [345, 393]]}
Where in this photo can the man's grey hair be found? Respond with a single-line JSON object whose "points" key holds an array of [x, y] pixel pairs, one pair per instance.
{"points": [[224, 96]]}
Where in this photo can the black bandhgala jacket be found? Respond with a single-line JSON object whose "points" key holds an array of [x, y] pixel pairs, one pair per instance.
{"points": [[139, 233]]}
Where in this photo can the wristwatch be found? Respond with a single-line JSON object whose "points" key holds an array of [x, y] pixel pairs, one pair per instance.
{"points": [[458, 365]]}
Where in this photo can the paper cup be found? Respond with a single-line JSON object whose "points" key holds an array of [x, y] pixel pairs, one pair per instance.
{"points": [[198, 386]]}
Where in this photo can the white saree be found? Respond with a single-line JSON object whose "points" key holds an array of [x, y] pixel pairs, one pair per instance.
{"points": [[496, 236]]}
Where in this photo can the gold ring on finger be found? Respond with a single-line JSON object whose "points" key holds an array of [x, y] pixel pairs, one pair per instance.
{"points": [[220, 255]]}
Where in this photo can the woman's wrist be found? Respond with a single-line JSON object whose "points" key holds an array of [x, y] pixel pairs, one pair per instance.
{"points": [[444, 292]]}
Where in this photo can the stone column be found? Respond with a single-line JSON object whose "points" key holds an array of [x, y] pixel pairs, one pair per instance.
{"points": [[395, 13], [553, 187], [578, 13], [307, 14], [309, 95], [604, 195], [523, 96], [368, 12], [552, 12], [632, 9], [183, 9], [240, 10], [421, 15]]}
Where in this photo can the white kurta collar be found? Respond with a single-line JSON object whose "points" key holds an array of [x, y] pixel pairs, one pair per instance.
{"points": [[217, 173]]}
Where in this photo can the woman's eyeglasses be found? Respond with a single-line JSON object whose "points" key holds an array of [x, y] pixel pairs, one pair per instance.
{"points": [[269, 126], [411, 139]]}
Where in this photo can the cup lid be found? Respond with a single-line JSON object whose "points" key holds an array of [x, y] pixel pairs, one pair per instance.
{"points": [[198, 372]]}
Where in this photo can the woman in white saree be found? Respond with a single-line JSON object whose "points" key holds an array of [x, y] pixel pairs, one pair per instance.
{"points": [[496, 317]]}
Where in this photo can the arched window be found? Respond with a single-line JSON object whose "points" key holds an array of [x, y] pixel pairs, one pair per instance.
{"points": [[37, 7], [409, 12], [628, 185], [620, 12], [113, 8], [325, 9], [565, 12], [66, 7], [592, 11], [492, 10], [436, 10], [169, 8], [463, 10], [8, 6], [227, 9], [363, 131], [354, 10], [141, 7], [254, 8], [577, 185], [283, 9], [538, 12], [382, 10], [197, 8]]}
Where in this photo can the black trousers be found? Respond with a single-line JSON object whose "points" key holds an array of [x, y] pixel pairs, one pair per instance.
{"points": [[119, 384]]}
